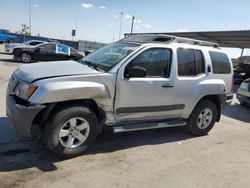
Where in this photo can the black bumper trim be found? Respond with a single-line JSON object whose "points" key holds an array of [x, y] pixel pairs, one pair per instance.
{"points": [[22, 117]]}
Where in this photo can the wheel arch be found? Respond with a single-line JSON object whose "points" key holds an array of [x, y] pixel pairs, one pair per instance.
{"points": [[217, 99], [51, 108]]}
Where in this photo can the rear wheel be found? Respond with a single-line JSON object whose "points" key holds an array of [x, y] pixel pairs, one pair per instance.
{"points": [[203, 118], [26, 58], [70, 131]]}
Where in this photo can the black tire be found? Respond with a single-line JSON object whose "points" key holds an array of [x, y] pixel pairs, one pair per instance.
{"points": [[26, 57], [54, 125], [193, 120]]}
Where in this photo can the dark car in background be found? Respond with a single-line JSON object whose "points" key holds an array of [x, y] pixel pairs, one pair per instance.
{"points": [[243, 93], [239, 76], [47, 52]]}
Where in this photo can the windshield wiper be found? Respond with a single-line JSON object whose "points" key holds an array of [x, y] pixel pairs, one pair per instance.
{"points": [[92, 65]]}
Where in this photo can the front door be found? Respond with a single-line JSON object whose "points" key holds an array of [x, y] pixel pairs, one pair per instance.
{"points": [[149, 97]]}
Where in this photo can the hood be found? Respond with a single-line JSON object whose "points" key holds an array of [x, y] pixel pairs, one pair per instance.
{"points": [[42, 70], [13, 45]]}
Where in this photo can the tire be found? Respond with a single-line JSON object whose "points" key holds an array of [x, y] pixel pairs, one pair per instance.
{"points": [[26, 57], [57, 134], [203, 118]]}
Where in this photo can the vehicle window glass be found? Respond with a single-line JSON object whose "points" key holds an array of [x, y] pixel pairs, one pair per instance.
{"points": [[156, 61], [186, 62], [34, 43], [200, 66], [220, 63], [48, 47], [190, 62], [109, 55]]}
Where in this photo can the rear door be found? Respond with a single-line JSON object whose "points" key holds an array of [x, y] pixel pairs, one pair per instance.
{"points": [[190, 74], [46, 52]]}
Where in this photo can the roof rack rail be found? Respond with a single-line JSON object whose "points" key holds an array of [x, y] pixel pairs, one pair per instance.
{"points": [[166, 38]]}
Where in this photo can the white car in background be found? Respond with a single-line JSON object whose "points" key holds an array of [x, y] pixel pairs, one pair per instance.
{"points": [[10, 47]]}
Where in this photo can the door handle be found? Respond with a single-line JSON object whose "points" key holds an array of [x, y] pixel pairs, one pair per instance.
{"points": [[167, 85]]}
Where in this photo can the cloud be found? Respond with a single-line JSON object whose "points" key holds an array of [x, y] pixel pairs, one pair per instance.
{"points": [[36, 6], [103, 7], [109, 25], [138, 21], [115, 16], [127, 16], [87, 5], [182, 30], [147, 25], [137, 27]]}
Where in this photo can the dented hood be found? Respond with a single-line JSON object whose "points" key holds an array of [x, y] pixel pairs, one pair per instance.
{"points": [[32, 72]]}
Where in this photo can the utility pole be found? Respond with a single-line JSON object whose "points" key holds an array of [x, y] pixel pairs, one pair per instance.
{"points": [[30, 15], [132, 25], [121, 25]]}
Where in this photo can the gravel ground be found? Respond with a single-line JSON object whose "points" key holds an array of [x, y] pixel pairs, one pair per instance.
{"points": [[155, 158]]}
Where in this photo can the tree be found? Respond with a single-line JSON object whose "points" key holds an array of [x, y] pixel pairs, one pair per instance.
{"points": [[24, 29]]}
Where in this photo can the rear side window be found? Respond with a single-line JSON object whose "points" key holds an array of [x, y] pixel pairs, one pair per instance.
{"points": [[190, 62], [220, 63]]}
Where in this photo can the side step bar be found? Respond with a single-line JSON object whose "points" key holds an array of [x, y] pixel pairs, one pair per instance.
{"points": [[148, 125]]}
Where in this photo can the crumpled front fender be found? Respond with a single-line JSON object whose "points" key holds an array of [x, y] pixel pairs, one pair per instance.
{"points": [[51, 92]]}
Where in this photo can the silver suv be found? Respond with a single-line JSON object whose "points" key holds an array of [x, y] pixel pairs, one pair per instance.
{"points": [[140, 82]]}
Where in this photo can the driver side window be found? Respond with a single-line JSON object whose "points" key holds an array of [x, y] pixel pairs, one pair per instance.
{"points": [[155, 61]]}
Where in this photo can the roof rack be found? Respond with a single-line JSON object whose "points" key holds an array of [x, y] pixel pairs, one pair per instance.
{"points": [[143, 38]]}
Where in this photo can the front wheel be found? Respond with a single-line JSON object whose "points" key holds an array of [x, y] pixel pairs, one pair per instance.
{"points": [[203, 118], [70, 131]]}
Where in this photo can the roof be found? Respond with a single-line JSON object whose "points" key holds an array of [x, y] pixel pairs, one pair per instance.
{"points": [[162, 38], [232, 39]]}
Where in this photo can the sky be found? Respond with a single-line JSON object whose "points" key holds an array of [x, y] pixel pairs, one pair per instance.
{"points": [[99, 20]]}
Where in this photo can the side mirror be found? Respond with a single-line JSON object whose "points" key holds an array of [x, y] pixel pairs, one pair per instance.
{"points": [[136, 72]]}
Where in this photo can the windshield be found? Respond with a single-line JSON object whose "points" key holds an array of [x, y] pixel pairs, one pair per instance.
{"points": [[108, 56]]}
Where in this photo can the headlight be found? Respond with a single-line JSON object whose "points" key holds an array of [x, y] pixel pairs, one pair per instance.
{"points": [[242, 74], [25, 90]]}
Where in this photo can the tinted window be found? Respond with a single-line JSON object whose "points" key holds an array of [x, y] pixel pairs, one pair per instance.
{"points": [[48, 47], [220, 63], [190, 62], [156, 61], [200, 67], [35, 43]]}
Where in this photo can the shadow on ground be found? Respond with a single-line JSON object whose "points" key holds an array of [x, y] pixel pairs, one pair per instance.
{"points": [[19, 154], [238, 112], [10, 60]]}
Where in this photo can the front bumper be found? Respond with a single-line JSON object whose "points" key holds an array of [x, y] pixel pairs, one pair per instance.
{"points": [[22, 117], [243, 99]]}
